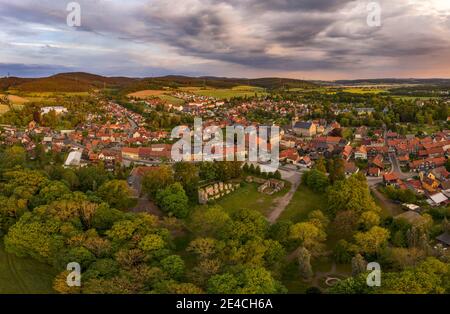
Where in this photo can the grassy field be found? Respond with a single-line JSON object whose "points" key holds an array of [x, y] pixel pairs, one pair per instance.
{"points": [[144, 94], [24, 275], [414, 128], [16, 100], [238, 91], [303, 202], [172, 100], [48, 98], [413, 98], [364, 90], [5, 108], [161, 94], [319, 90], [248, 197]]}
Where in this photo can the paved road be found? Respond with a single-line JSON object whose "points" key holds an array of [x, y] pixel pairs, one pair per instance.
{"points": [[397, 169], [374, 181], [134, 125]]}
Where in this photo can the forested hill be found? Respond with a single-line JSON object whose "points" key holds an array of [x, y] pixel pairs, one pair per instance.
{"points": [[83, 82], [64, 82]]}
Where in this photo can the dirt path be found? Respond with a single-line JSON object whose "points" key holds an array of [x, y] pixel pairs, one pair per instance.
{"points": [[393, 209], [145, 206], [282, 202]]}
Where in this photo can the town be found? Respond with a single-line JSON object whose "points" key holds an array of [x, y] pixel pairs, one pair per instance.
{"points": [[362, 177]]}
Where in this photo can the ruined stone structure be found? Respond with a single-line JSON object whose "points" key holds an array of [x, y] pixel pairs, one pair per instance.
{"points": [[215, 191], [268, 187], [271, 186]]}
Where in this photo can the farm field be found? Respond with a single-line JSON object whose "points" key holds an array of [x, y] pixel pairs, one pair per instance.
{"points": [[24, 275], [320, 90], [161, 94], [413, 98], [238, 91], [3, 109], [17, 100], [364, 90], [144, 94], [172, 100], [20, 98]]}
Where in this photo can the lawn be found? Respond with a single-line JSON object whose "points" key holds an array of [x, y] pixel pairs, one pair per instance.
{"points": [[303, 202], [24, 275], [247, 196]]}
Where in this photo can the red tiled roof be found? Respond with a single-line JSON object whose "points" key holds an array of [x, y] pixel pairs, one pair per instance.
{"points": [[291, 154], [389, 177], [141, 171], [373, 171], [130, 150]]}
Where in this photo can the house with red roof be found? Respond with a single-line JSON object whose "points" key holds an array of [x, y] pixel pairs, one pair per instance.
{"points": [[373, 172], [390, 178], [361, 152], [290, 156]]}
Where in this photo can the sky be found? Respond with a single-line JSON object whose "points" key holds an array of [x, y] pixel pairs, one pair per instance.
{"points": [[303, 39]]}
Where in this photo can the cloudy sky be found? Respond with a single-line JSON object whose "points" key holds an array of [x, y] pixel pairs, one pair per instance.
{"points": [[305, 39]]}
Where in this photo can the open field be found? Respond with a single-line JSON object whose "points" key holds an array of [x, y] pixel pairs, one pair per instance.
{"points": [[248, 197], [238, 91], [24, 275], [172, 100], [20, 98], [364, 91], [319, 89], [303, 202], [28, 95], [5, 108], [17, 100], [161, 94], [144, 94], [413, 98]]}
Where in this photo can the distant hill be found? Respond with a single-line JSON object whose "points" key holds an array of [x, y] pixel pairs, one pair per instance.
{"points": [[83, 82], [216, 82], [432, 81], [11, 82], [68, 82]]}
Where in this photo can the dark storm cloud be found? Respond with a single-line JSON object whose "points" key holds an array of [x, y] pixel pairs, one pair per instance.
{"points": [[297, 5], [31, 70], [278, 35]]}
